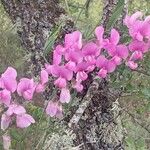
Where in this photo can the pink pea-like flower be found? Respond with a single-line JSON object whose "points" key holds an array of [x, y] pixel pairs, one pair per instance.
{"points": [[43, 80], [65, 95], [54, 109], [26, 88], [8, 80], [106, 66], [73, 40], [23, 120]]}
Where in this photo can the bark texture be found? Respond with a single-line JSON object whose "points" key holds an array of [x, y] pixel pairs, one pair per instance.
{"points": [[98, 126], [34, 21]]}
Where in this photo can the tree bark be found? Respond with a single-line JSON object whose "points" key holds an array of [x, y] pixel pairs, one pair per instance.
{"points": [[99, 126]]}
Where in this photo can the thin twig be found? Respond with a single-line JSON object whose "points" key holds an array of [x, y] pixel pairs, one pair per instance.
{"points": [[136, 120], [85, 102], [142, 72]]}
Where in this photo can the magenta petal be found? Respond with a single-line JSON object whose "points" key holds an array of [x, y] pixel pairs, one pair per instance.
{"points": [[115, 37], [19, 110], [6, 142], [5, 121], [60, 82], [26, 88], [132, 65], [101, 60], [102, 73], [5, 97], [10, 72], [9, 79], [60, 49], [122, 51], [71, 66], [90, 49], [110, 66], [81, 76], [138, 46], [75, 56], [117, 60], [137, 55], [135, 16], [56, 58], [78, 86], [28, 94], [15, 109], [24, 120], [82, 66], [51, 108], [99, 31], [44, 77], [40, 88], [65, 96], [73, 39]]}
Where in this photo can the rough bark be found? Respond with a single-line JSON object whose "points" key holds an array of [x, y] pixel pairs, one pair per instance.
{"points": [[34, 21], [98, 126]]}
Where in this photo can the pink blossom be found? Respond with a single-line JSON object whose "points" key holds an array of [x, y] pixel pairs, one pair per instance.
{"points": [[73, 40], [90, 52], [106, 66], [139, 30], [24, 120], [78, 86], [5, 121], [136, 45], [54, 109], [8, 80], [26, 88], [65, 95], [60, 82], [5, 97], [99, 31], [6, 142], [43, 80], [132, 65]]}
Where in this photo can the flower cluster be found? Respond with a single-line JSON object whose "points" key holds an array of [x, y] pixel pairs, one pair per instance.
{"points": [[25, 88], [72, 63]]}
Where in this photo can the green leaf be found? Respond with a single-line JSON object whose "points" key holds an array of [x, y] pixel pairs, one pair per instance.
{"points": [[116, 14], [16, 135], [51, 40]]}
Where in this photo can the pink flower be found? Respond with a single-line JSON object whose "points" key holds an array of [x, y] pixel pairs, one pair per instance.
{"points": [[78, 86], [132, 65], [90, 52], [6, 142], [106, 66], [5, 97], [139, 30], [73, 40], [26, 88], [60, 82], [43, 80], [65, 95], [54, 109], [24, 120], [136, 45], [62, 73], [99, 32], [8, 80], [5, 121]]}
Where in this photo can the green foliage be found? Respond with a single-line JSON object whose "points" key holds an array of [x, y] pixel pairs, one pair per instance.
{"points": [[116, 14], [11, 51]]}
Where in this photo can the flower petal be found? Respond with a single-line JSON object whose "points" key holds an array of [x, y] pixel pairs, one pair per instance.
{"points": [[65, 96]]}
